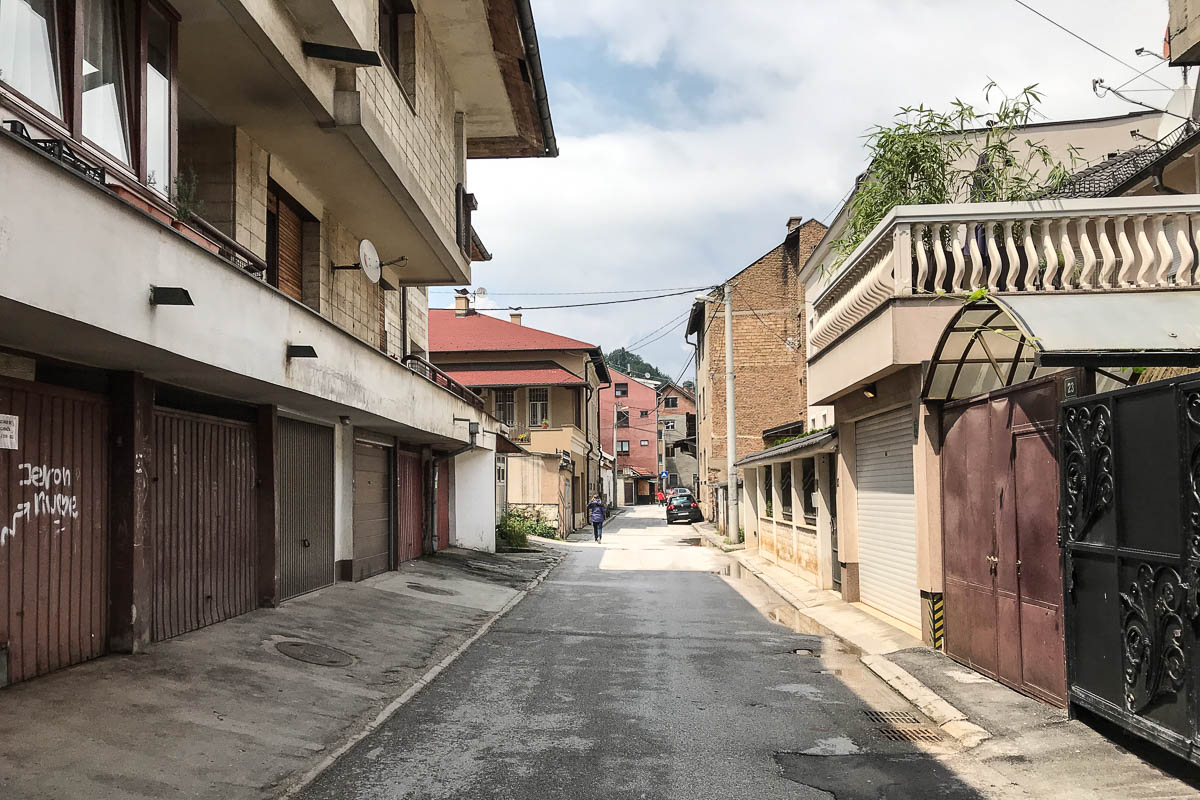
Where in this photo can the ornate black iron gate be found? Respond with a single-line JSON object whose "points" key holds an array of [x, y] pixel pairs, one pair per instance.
{"points": [[1130, 529]]}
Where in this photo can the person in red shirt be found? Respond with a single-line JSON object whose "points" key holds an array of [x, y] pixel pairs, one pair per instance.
{"points": [[661, 497]]}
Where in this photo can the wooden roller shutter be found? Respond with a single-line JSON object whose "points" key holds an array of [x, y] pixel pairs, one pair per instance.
{"points": [[288, 240], [409, 505]]}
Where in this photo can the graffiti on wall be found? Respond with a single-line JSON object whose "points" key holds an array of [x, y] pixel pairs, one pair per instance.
{"points": [[53, 497]]}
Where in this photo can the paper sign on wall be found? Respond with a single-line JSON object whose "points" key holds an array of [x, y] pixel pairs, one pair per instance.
{"points": [[8, 432]]}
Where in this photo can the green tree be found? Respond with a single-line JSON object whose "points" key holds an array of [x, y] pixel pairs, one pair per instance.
{"points": [[634, 365], [963, 155]]}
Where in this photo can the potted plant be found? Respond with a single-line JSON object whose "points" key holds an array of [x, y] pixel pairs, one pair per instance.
{"points": [[545, 423], [187, 205]]}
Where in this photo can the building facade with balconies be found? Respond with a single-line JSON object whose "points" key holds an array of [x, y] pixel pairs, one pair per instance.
{"points": [[944, 344], [219, 220], [544, 390]]}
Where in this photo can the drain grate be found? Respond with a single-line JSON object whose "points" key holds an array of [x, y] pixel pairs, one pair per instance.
{"points": [[802, 651], [318, 654], [893, 717], [909, 734]]}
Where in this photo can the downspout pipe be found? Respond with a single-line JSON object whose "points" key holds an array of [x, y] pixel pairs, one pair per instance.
{"points": [[533, 60]]}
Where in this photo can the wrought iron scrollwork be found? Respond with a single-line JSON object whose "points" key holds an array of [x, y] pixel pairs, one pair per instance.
{"points": [[1087, 467], [1155, 662], [1191, 405]]}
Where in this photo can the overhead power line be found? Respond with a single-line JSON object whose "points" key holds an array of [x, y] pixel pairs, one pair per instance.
{"points": [[598, 303], [1090, 44], [518, 293]]}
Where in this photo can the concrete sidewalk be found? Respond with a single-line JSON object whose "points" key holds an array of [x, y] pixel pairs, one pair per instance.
{"points": [[225, 712]]}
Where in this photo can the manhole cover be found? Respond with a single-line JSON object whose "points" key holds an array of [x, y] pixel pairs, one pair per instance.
{"points": [[317, 654], [418, 587], [893, 717], [909, 734]]}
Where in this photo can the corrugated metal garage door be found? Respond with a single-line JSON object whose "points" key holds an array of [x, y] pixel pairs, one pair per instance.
{"points": [[887, 522], [372, 509], [53, 529], [444, 470], [305, 507], [409, 506], [203, 518]]}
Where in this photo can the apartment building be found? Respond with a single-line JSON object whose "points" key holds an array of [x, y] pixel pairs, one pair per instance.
{"points": [[219, 220], [629, 417], [677, 419]]}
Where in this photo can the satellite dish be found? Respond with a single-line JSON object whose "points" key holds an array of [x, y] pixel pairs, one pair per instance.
{"points": [[368, 259], [1180, 105], [481, 292]]}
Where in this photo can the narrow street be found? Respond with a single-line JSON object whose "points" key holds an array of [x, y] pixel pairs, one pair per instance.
{"points": [[639, 670]]}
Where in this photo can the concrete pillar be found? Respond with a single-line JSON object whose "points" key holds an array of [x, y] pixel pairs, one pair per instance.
{"points": [[825, 510], [474, 499], [131, 545], [343, 502], [847, 511]]}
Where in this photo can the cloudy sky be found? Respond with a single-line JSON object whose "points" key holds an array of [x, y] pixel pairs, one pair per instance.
{"points": [[691, 130]]}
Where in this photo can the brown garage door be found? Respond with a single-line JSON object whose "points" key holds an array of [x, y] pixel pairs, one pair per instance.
{"points": [[1000, 529], [372, 509], [409, 496], [53, 530], [305, 507], [445, 469], [203, 521]]}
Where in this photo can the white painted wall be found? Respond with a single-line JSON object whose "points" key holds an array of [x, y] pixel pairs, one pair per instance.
{"points": [[474, 491]]}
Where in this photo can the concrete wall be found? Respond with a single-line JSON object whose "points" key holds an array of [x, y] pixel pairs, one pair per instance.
{"points": [[474, 501]]}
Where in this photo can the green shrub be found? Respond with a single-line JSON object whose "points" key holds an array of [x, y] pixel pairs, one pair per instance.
{"points": [[518, 524]]}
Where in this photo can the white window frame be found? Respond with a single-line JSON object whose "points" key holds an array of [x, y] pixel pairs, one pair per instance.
{"points": [[501, 469], [506, 400], [541, 405], [645, 443], [668, 424], [622, 447]]}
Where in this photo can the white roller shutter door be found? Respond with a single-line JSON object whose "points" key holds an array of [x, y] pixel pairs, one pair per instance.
{"points": [[887, 515]]}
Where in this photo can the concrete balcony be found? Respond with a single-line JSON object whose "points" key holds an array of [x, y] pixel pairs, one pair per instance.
{"points": [[887, 305], [562, 439], [78, 263]]}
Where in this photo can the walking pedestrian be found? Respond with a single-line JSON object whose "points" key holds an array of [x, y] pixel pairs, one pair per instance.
{"points": [[661, 497], [596, 515]]}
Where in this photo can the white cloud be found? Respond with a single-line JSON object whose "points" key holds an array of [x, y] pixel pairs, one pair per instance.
{"points": [[787, 89]]}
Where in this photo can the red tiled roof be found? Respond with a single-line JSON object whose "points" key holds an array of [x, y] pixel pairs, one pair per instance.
{"points": [[449, 333], [513, 376]]}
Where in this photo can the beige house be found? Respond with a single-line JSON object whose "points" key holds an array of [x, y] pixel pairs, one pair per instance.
{"points": [[881, 358], [544, 389]]}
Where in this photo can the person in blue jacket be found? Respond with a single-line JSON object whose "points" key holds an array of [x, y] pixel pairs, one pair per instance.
{"points": [[596, 515]]}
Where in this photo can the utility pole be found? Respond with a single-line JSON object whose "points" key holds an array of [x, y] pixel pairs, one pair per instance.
{"points": [[731, 525]]}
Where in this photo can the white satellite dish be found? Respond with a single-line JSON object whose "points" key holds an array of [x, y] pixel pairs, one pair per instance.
{"points": [[1180, 105], [368, 259], [481, 292]]}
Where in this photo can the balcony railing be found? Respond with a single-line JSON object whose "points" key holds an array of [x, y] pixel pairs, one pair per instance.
{"points": [[431, 373], [1111, 244]]}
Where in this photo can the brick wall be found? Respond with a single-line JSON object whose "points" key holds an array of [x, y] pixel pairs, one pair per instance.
{"points": [[769, 357]]}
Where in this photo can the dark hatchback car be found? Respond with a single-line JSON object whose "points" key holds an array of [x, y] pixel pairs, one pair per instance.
{"points": [[683, 507]]}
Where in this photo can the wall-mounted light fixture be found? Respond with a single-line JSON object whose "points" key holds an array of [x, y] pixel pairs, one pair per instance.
{"points": [[473, 428], [869, 391], [344, 420], [301, 351], [170, 296]]}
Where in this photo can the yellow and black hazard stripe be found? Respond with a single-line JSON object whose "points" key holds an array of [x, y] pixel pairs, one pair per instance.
{"points": [[937, 619]]}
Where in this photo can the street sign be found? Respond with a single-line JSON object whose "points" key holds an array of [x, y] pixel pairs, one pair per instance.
{"points": [[663, 475]]}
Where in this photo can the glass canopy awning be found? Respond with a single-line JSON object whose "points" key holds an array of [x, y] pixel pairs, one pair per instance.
{"points": [[1007, 339]]}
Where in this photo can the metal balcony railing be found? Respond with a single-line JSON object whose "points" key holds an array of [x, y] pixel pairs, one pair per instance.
{"points": [[1092, 245], [434, 375]]}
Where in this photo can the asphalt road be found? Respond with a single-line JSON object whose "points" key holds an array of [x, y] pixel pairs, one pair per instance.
{"points": [[639, 670]]}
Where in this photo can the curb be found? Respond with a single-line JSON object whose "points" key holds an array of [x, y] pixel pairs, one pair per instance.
{"points": [[946, 716], [395, 705], [928, 702], [718, 541]]}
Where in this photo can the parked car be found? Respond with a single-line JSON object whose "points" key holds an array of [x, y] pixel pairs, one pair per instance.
{"points": [[683, 507], [680, 490]]}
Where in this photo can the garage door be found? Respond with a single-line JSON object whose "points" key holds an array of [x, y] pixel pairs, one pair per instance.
{"points": [[53, 529], [305, 507], [887, 522], [409, 506], [372, 509], [203, 519]]}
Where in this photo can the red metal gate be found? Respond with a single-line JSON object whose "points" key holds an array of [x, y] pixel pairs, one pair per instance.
{"points": [[1003, 582], [445, 470], [203, 521], [53, 530], [409, 505]]}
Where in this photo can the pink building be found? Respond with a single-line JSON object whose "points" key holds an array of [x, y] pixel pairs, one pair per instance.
{"points": [[634, 435]]}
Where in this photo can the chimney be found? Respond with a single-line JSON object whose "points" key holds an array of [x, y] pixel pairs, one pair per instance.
{"points": [[794, 222], [462, 303], [514, 317]]}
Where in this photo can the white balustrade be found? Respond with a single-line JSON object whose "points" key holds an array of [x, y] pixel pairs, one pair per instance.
{"points": [[1073, 245]]}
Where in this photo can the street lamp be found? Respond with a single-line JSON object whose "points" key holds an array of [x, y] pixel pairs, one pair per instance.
{"points": [[731, 506]]}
